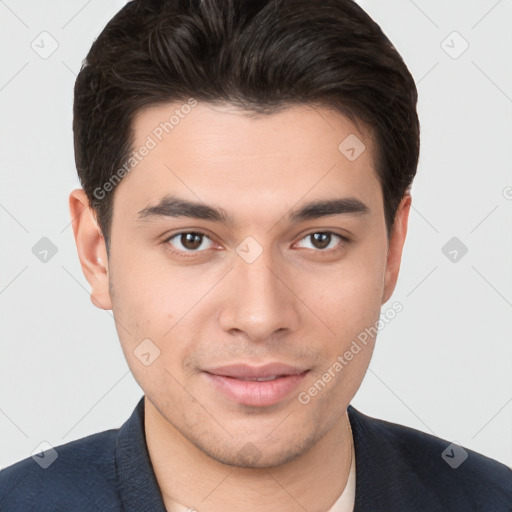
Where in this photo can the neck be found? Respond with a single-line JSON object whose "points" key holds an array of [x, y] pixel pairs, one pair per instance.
{"points": [[188, 476]]}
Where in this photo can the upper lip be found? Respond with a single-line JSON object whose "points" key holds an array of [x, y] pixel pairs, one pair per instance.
{"points": [[246, 371]]}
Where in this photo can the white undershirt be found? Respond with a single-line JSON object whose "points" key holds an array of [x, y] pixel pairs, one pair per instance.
{"points": [[345, 503]]}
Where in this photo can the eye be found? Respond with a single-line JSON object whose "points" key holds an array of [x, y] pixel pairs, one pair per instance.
{"points": [[322, 240], [190, 241]]}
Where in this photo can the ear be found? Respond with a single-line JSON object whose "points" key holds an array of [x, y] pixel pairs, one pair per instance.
{"points": [[91, 248], [396, 244]]}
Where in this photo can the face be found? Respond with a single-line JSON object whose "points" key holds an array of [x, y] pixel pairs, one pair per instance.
{"points": [[236, 312]]}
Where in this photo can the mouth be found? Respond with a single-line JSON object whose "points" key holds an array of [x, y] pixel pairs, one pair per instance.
{"points": [[256, 386]]}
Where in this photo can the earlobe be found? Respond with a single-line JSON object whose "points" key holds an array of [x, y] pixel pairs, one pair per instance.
{"points": [[91, 248], [396, 244]]}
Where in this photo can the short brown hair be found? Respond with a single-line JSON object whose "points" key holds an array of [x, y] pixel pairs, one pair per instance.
{"points": [[261, 55]]}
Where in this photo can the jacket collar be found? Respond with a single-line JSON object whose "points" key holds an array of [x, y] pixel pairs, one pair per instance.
{"points": [[382, 474], [386, 473], [138, 487]]}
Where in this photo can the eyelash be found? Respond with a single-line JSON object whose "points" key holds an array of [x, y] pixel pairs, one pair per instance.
{"points": [[191, 254]]}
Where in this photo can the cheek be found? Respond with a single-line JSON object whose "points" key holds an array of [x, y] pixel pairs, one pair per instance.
{"points": [[350, 306], [147, 313], [349, 298], [138, 297], [149, 293], [154, 301], [142, 309]]}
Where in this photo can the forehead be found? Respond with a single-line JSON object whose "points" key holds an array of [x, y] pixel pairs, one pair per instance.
{"points": [[230, 158], [295, 130]]}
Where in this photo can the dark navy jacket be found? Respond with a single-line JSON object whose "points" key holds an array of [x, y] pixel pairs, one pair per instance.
{"points": [[398, 469]]}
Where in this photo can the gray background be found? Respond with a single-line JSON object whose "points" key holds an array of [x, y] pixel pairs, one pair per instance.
{"points": [[443, 365]]}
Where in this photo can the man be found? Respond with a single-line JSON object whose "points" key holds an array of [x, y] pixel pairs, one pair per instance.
{"points": [[246, 170]]}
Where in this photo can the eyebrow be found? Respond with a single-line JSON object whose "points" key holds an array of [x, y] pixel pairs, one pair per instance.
{"points": [[172, 206]]}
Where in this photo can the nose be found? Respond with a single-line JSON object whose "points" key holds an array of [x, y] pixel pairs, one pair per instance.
{"points": [[259, 299]]}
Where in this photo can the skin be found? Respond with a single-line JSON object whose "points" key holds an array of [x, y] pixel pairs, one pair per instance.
{"points": [[297, 303]]}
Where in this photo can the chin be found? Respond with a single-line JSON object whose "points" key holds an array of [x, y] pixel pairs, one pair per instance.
{"points": [[260, 455]]}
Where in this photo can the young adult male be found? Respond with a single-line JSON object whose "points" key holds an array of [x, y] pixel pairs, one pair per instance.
{"points": [[246, 170]]}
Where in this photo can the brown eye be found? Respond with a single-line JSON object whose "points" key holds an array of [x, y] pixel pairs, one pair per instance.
{"points": [[189, 241], [322, 240]]}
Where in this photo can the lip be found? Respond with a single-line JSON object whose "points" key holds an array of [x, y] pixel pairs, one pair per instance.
{"points": [[234, 382]]}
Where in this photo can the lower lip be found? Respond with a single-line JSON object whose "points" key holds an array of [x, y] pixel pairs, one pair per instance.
{"points": [[254, 393]]}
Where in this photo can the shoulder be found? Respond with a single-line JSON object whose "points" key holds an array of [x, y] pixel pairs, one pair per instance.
{"points": [[79, 475], [452, 475]]}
